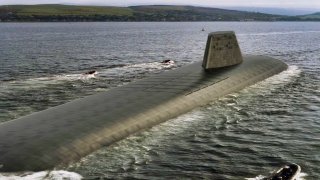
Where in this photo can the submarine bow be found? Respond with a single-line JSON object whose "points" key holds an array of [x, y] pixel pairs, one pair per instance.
{"points": [[66, 133]]}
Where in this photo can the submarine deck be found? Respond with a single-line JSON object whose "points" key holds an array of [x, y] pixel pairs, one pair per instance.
{"points": [[65, 133]]}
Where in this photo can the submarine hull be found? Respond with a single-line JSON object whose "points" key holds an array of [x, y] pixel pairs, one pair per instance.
{"points": [[66, 133]]}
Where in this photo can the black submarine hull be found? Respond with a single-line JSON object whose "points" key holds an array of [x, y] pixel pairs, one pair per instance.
{"points": [[66, 133]]}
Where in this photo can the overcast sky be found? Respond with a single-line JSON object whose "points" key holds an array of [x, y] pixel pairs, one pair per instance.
{"points": [[314, 4]]}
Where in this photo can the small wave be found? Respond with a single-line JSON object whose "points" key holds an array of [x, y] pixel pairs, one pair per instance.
{"points": [[259, 177], [154, 65], [277, 33], [50, 175], [133, 70], [264, 86], [110, 72], [56, 79], [275, 112], [280, 79], [102, 66], [301, 176], [45, 81]]}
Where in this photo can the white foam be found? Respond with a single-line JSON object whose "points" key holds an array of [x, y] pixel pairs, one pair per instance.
{"points": [[277, 80], [42, 175], [134, 69], [42, 82], [301, 176], [56, 79], [259, 177], [153, 65]]}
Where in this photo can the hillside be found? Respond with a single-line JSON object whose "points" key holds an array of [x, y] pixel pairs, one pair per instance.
{"points": [[190, 13], [311, 17], [52, 13], [61, 13]]}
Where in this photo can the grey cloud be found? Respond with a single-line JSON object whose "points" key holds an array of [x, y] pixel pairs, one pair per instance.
{"points": [[261, 3]]}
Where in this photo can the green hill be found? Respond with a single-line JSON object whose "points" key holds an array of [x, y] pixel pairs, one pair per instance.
{"points": [[311, 17], [56, 9], [56, 12], [191, 13]]}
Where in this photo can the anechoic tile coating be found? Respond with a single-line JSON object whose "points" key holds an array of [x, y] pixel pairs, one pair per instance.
{"points": [[65, 133]]}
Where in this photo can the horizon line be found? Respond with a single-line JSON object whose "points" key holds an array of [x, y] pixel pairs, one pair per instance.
{"points": [[194, 5]]}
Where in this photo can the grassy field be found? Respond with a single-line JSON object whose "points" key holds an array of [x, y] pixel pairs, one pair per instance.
{"points": [[47, 10], [159, 8]]}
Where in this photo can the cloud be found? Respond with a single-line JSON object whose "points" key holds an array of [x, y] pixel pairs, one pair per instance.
{"points": [[211, 3]]}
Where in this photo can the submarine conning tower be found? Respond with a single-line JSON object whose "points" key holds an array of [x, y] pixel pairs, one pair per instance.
{"points": [[63, 134], [222, 50]]}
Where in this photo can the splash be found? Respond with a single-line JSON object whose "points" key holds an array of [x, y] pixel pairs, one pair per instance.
{"points": [[48, 175], [136, 69], [45, 81], [109, 73], [277, 81], [301, 176], [282, 78]]}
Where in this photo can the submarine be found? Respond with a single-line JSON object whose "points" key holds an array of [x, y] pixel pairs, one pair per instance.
{"points": [[64, 134]]}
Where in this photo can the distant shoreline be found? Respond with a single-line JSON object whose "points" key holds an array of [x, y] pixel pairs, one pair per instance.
{"points": [[8, 22], [155, 13]]}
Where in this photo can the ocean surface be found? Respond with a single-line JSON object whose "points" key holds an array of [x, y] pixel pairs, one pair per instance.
{"points": [[244, 135]]}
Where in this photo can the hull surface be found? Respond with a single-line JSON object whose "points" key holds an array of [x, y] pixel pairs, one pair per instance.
{"points": [[65, 133]]}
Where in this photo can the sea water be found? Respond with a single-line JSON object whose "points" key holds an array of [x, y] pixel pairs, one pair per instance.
{"points": [[247, 134]]}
